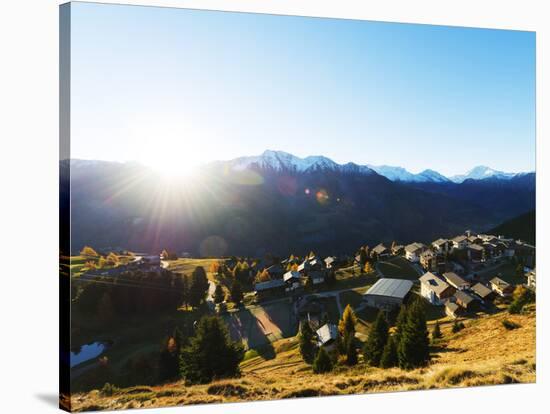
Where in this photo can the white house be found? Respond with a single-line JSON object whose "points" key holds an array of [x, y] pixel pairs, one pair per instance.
{"points": [[434, 289], [413, 251]]}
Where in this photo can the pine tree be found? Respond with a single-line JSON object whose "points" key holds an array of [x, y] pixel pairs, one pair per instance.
{"points": [[351, 351], [378, 336], [307, 342], [236, 292], [436, 333], [346, 326], [389, 355], [400, 322], [210, 353], [413, 349], [199, 287], [168, 367], [185, 290], [219, 294], [322, 362]]}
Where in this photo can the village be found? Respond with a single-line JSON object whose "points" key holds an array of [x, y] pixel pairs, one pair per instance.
{"points": [[454, 274], [459, 276]]}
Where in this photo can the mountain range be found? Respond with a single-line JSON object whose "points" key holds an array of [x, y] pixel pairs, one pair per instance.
{"points": [[282, 204], [283, 161]]}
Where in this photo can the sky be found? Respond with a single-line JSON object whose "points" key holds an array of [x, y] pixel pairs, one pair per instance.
{"points": [[173, 88]]}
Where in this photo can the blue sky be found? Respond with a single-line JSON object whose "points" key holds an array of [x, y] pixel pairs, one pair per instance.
{"points": [[173, 86]]}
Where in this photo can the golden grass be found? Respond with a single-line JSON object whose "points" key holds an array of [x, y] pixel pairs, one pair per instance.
{"points": [[484, 353]]}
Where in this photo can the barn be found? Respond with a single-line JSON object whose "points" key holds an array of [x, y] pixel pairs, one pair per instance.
{"points": [[387, 294]]}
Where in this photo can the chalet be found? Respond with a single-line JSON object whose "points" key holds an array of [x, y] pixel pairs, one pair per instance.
{"points": [[460, 242], [526, 252], [441, 246], [464, 300], [380, 251], [413, 251], [397, 249], [474, 239], [269, 288], [531, 276], [501, 287], [292, 281], [327, 336], [304, 266], [487, 238], [317, 276], [330, 262], [429, 260], [483, 292], [452, 309], [456, 281], [387, 294], [275, 271], [434, 289], [476, 253]]}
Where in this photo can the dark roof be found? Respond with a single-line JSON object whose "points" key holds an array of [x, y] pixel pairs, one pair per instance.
{"points": [[396, 288], [481, 290], [455, 279], [465, 298], [270, 284], [475, 247]]}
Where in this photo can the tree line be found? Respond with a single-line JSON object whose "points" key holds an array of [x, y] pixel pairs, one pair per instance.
{"points": [[407, 347]]}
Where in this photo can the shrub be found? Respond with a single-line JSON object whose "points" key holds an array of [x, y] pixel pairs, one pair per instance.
{"points": [[509, 324], [457, 326], [322, 362], [108, 390]]}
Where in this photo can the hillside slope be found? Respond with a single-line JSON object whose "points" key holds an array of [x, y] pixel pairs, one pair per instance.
{"points": [[484, 353], [522, 227]]}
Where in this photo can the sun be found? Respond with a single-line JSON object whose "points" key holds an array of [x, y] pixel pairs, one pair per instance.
{"points": [[172, 151]]}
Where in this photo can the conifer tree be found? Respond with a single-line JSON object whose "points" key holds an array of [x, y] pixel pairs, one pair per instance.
{"points": [[436, 333], [413, 349], [378, 336], [210, 353], [199, 286], [322, 362], [389, 355], [351, 351], [219, 294], [307, 342], [346, 326], [236, 292]]}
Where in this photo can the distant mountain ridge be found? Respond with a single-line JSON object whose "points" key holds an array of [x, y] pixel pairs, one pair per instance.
{"points": [[284, 161], [277, 203]]}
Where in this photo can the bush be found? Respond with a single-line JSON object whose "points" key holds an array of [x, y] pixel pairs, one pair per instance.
{"points": [[509, 324], [108, 390], [458, 326], [322, 362]]}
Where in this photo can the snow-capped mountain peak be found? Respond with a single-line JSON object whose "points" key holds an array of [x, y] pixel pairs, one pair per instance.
{"points": [[284, 161], [482, 172]]}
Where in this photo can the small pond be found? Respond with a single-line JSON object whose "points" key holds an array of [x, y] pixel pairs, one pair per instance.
{"points": [[87, 352]]}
